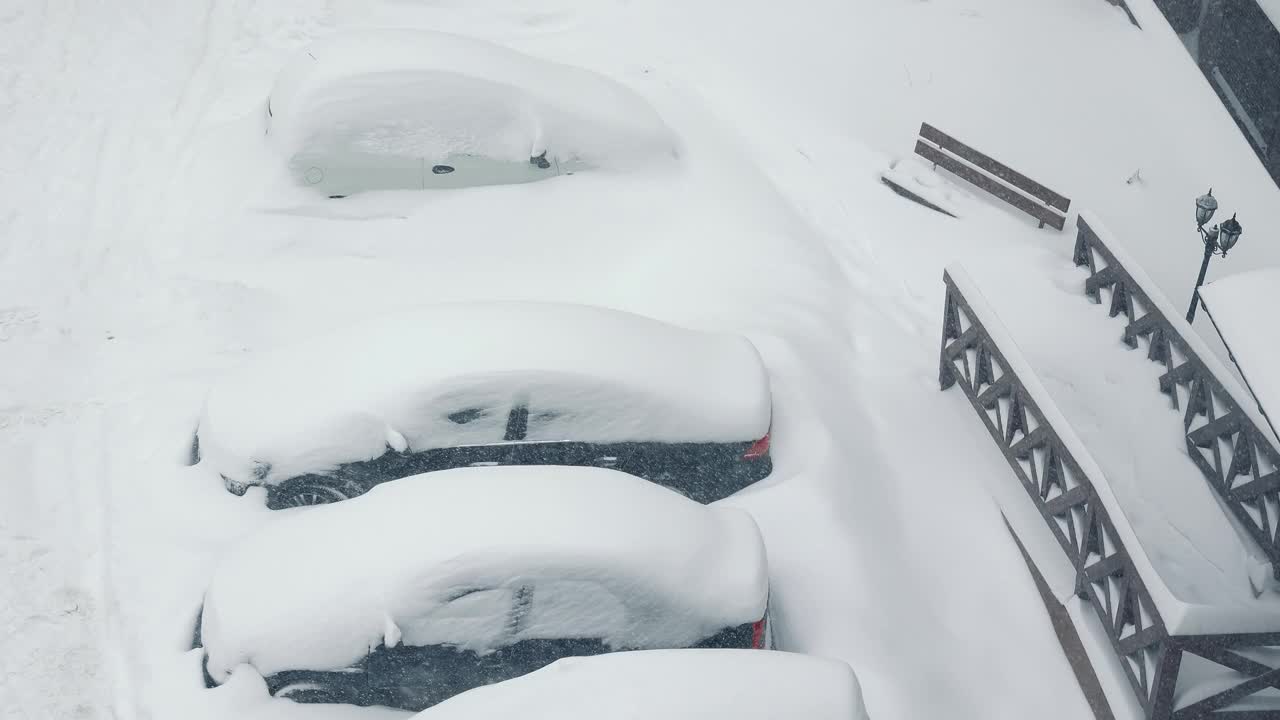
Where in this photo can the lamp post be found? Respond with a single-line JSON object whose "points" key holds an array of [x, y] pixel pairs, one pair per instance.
{"points": [[1217, 241]]}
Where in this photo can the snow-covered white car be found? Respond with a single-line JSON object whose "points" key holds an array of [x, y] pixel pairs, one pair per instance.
{"points": [[669, 685], [439, 583], [497, 383], [388, 109]]}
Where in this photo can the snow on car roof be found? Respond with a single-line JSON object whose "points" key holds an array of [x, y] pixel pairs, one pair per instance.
{"points": [[431, 94], [1240, 306], [453, 557], [669, 685], [585, 373]]}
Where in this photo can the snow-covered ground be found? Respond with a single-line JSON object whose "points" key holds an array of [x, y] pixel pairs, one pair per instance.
{"points": [[146, 246]]}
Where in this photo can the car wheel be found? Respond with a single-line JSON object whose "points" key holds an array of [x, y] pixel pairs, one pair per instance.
{"points": [[314, 492], [312, 692]]}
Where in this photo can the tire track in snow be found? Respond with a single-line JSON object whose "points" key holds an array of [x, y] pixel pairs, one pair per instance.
{"points": [[51, 558], [85, 150]]}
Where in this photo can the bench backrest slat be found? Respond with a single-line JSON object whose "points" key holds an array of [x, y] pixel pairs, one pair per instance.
{"points": [[1041, 212], [1008, 174]]}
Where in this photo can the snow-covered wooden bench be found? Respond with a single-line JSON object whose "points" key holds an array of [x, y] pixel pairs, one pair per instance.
{"points": [[996, 178]]}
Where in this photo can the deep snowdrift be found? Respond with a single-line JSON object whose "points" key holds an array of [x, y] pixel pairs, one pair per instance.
{"points": [[606, 555], [670, 685]]}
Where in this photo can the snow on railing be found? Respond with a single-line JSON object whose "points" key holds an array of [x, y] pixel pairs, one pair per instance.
{"points": [[1223, 429], [1060, 477], [1229, 674]]}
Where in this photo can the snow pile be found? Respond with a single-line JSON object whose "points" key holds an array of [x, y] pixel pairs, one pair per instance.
{"points": [[669, 685], [444, 558], [430, 95], [918, 177], [1242, 308], [449, 374]]}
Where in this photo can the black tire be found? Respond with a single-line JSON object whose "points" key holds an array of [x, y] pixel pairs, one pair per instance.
{"points": [[312, 491]]}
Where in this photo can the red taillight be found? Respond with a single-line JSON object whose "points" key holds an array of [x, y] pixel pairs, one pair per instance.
{"points": [[757, 634], [758, 449]]}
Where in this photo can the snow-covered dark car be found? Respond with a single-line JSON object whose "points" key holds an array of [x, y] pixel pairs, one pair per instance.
{"points": [[670, 685], [400, 109], [501, 383], [439, 583]]}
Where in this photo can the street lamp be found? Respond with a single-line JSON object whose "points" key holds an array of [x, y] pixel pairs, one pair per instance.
{"points": [[1217, 241]]}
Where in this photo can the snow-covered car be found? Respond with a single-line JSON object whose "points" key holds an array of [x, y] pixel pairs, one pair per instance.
{"points": [[669, 685], [439, 583], [386, 109], [497, 383]]}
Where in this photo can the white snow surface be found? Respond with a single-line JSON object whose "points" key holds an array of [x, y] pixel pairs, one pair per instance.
{"points": [[1242, 307], [916, 175], [1272, 9], [146, 248], [669, 685], [437, 559], [585, 373], [416, 93]]}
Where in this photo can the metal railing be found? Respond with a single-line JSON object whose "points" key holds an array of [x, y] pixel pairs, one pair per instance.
{"points": [[1049, 462], [1223, 439], [1058, 487]]}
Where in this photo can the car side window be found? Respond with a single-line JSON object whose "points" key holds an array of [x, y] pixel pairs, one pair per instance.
{"points": [[466, 412], [470, 615], [546, 424], [570, 608], [464, 416]]}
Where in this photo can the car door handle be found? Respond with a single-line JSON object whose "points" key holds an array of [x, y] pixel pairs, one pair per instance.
{"points": [[485, 463]]}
